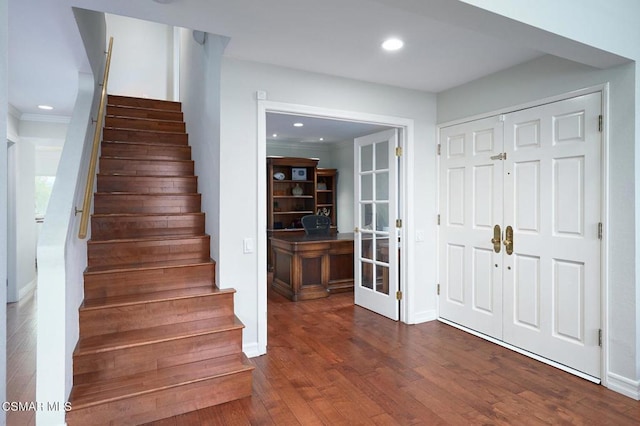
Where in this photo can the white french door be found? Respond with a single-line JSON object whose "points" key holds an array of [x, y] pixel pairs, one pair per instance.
{"points": [[375, 214], [519, 242]]}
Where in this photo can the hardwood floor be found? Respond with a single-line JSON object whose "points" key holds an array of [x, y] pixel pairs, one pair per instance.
{"points": [[330, 362], [21, 357]]}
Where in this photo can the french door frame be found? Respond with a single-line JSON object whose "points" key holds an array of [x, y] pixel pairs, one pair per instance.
{"points": [[604, 254], [406, 141]]}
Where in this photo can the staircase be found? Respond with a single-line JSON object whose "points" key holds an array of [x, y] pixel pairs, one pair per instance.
{"points": [[157, 337]]}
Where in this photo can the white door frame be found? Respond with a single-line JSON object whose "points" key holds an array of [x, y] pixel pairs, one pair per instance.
{"points": [[604, 255], [406, 177]]}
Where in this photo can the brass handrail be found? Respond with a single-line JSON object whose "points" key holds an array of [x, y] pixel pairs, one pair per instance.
{"points": [[88, 190]]}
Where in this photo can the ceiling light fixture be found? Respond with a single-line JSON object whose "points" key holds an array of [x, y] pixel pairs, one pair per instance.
{"points": [[392, 44], [321, 139], [275, 135], [45, 107], [298, 124]]}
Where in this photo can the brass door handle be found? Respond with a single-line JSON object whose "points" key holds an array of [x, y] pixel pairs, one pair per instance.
{"points": [[508, 241], [497, 236]]}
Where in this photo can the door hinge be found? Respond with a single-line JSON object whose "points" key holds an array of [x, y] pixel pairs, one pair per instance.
{"points": [[356, 230], [398, 295], [438, 219], [600, 123], [439, 149], [600, 337], [398, 151], [438, 287], [600, 230], [398, 223]]}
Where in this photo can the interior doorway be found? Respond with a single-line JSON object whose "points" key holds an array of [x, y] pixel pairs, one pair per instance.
{"points": [[339, 119]]}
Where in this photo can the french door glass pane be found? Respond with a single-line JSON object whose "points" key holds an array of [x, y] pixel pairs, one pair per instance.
{"points": [[366, 158], [367, 275], [366, 189], [382, 155], [382, 186]]}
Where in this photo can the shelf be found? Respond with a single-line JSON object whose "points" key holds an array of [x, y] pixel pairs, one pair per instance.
{"points": [[294, 212], [291, 181], [324, 190], [325, 205], [293, 196]]}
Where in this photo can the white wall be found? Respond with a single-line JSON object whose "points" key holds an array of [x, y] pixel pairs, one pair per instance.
{"points": [[550, 76], [142, 58], [4, 64], [25, 226], [238, 189], [61, 255], [47, 160], [200, 96]]}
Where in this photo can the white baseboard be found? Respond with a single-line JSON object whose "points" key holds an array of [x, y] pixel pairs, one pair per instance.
{"points": [[27, 288], [425, 316], [627, 387], [251, 349]]}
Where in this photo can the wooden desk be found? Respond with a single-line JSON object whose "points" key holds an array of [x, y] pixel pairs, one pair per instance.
{"points": [[311, 267]]}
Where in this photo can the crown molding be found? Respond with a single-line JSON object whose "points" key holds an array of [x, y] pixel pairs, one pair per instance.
{"points": [[60, 119], [14, 112]]}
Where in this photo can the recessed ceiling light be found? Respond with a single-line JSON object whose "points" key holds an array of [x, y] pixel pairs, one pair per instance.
{"points": [[321, 139], [298, 124], [275, 135], [392, 44], [45, 107]]}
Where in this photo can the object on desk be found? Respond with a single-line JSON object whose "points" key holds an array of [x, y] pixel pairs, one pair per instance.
{"points": [[297, 190], [298, 173], [324, 212], [316, 224]]}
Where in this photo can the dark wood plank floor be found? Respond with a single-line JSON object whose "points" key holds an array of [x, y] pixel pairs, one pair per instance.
{"points": [[330, 362]]}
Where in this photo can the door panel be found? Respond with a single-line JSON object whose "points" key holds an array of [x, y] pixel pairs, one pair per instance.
{"points": [[376, 270], [471, 205], [536, 174], [563, 190]]}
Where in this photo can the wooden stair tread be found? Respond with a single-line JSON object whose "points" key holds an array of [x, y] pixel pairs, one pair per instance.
{"points": [[158, 296], [142, 118], [146, 159], [120, 100], [185, 177], [131, 338], [137, 108], [164, 132], [115, 215], [180, 263], [150, 239], [86, 395]]}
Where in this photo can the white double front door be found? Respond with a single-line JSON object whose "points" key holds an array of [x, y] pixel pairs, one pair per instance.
{"points": [[520, 229]]}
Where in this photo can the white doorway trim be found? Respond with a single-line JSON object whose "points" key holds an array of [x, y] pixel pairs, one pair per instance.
{"points": [[407, 312], [606, 374]]}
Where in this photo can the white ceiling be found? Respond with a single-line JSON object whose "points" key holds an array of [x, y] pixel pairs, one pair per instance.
{"points": [[337, 37], [314, 128]]}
